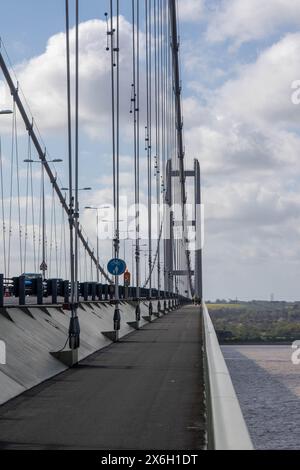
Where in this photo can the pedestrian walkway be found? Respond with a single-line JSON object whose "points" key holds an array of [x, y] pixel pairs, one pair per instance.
{"points": [[145, 392]]}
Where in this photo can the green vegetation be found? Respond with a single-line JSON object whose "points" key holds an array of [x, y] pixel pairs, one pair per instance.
{"points": [[256, 321]]}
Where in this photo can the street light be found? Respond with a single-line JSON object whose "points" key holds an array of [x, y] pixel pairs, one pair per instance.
{"points": [[114, 240], [55, 160], [145, 255], [43, 266], [132, 255], [126, 238], [6, 111], [80, 189], [93, 208]]}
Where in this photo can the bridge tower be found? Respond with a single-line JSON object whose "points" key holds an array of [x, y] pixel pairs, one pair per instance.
{"points": [[171, 238]]}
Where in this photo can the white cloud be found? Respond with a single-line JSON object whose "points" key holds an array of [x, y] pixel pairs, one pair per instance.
{"points": [[246, 135], [245, 20], [249, 123], [191, 10], [43, 79], [262, 91]]}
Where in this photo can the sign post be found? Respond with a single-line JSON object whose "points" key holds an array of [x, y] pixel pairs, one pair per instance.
{"points": [[116, 267]]}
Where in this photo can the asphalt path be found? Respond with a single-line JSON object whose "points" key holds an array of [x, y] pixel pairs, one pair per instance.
{"points": [[145, 392]]}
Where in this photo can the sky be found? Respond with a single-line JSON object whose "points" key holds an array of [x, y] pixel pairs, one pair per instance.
{"points": [[239, 59]]}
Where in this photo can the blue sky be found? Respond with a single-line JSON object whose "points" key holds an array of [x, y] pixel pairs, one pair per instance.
{"points": [[27, 25], [239, 59]]}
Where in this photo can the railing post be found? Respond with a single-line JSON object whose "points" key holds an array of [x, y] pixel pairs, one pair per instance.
{"points": [[93, 291], [85, 291], [39, 290], [99, 291], [22, 294], [66, 292], [1, 291], [105, 292], [54, 290], [111, 292]]}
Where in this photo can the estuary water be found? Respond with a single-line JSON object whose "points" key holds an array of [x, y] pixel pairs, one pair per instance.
{"points": [[267, 384]]}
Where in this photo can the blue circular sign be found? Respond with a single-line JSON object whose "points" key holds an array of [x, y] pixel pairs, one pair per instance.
{"points": [[116, 267]]}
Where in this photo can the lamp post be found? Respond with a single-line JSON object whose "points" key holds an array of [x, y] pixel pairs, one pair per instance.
{"points": [[113, 252], [132, 254], [79, 189], [125, 239], [4, 111], [141, 247], [98, 209], [145, 266], [43, 266]]}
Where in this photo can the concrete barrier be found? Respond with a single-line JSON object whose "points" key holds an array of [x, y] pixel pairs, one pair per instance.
{"points": [[227, 429], [30, 334]]}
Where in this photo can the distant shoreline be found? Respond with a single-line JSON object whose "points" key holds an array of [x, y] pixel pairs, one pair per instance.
{"points": [[255, 343]]}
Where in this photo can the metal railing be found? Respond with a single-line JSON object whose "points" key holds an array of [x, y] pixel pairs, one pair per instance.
{"points": [[226, 428], [21, 291]]}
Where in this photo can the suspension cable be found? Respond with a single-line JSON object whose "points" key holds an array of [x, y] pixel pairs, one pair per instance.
{"points": [[32, 212], [11, 194], [40, 214], [26, 206], [3, 210], [76, 196], [71, 198], [40, 148], [148, 145]]}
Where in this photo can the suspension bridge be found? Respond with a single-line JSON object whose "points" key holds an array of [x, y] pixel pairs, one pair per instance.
{"points": [[146, 369]]}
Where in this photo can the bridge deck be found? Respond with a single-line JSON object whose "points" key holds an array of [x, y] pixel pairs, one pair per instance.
{"points": [[145, 392]]}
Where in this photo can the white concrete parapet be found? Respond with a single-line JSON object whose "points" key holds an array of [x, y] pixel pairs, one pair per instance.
{"points": [[227, 429]]}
